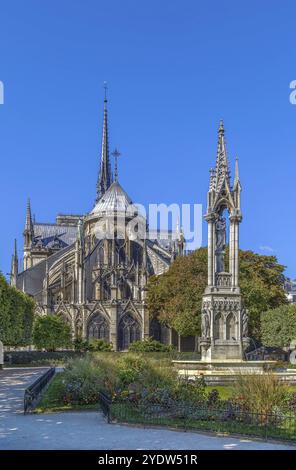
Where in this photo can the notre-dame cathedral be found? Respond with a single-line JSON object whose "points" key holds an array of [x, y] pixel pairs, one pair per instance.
{"points": [[96, 283]]}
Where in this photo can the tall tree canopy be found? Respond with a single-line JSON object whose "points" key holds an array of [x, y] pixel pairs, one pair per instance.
{"points": [[51, 332], [279, 326], [175, 297], [16, 315]]}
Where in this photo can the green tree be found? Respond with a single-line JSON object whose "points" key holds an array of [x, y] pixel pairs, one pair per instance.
{"points": [[278, 326], [262, 286], [51, 332], [175, 297], [16, 315]]}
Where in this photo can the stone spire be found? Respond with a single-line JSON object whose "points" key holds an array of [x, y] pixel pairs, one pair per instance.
{"points": [[105, 173], [222, 170], [28, 237], [14, 266], [29, 223]]}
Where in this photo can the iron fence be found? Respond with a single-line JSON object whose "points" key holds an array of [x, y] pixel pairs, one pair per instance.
{"points": [[225, 418], [32, 393]]}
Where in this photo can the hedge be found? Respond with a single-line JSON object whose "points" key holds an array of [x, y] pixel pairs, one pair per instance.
{"points": [[16, 315]]}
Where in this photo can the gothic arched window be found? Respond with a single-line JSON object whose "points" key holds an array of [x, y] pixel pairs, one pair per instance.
{"points": [[218, 327], [98, 328], [129, 330], [231, 327]]}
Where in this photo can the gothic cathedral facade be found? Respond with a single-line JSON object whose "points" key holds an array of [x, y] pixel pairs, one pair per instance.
{"points": [[97, 283]]}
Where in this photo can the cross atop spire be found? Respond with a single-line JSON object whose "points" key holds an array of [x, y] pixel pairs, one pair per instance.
{"points": [[105, 174], [116, 154], [222, 169]]}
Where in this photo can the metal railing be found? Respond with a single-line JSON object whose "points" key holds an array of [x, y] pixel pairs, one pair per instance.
{"points": [[223, 418], [33, 392], [105, 403]]}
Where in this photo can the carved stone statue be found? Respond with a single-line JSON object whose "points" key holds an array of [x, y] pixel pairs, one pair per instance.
{"points": [[80, 229], [205, 325], [220, 244]]}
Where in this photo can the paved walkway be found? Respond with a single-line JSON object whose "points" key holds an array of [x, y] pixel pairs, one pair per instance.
{"points": [[88, 430]]}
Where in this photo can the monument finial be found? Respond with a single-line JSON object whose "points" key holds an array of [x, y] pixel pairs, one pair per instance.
{"points": [[222, 169]]}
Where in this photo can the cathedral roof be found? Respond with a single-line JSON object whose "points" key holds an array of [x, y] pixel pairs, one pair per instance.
{"points": [[49, 234], [115, 199]]}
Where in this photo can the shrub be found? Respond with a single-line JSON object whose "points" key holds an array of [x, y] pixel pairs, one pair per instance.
{"points": [[39, 357], [260, 393], [126, 376], [292, 402], [130, 368], [213, 398], [93, 344], [98, 345], [193, 391], [149, 345], [81, 382], [80, 344], [51, 332]]}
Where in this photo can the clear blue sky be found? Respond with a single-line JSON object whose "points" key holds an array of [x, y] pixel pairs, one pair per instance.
{"points": [[174, 68]]}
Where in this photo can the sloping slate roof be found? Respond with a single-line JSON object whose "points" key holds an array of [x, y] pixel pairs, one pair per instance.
{"points": [[159, 262], [165, 238], [32, 279], [115, 199], [48, 232]]}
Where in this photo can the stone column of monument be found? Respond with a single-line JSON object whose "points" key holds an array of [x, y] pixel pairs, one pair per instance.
{"points": [[224, 319]]}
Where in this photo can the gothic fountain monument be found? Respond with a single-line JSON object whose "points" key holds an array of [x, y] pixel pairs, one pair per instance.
{"points": [[224, 317]]}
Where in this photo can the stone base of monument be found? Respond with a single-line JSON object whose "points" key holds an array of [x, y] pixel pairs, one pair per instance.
{"points": [[224, 372]]}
